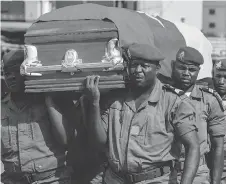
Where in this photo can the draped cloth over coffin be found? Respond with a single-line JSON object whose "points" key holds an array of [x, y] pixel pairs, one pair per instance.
{"points": [[132, 28], [136, 27], [170, 36]]}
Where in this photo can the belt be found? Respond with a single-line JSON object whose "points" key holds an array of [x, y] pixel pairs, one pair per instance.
{"points": [[28, 178], [179, 165], [147, 175]]}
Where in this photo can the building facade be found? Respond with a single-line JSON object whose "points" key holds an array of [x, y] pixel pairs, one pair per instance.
{"points": [[214, 18]]}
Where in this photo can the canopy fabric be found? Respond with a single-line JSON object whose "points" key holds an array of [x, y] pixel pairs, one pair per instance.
{"points": [[138, 27], [132, 27], [169, 36]]}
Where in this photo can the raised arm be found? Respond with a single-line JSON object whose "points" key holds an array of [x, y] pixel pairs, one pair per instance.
{"points": [[60, 126], [97, 132]]}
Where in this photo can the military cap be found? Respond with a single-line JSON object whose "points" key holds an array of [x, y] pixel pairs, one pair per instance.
{"points": [[12, 59], [144, 52], [220, 63], [189, 55]]}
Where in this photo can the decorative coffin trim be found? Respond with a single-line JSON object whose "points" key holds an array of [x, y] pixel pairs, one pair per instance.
{"points": [[72, 84], [78, 68]]}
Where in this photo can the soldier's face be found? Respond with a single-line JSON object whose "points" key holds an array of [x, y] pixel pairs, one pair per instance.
{"points": [[185, 75], [219, 80], [13, 79], [143, 73]]}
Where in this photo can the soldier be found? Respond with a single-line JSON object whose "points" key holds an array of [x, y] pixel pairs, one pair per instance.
{"points": [[138, 127], [209, 113], [87, 162], [219, 81], [30, 128]]}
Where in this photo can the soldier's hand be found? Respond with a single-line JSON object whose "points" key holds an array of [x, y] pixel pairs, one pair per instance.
{"points": [[49, 98], [91, 88]]}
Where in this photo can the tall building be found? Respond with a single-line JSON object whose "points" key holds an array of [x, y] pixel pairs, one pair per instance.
{"points": [[214, 18], [60, 4], [151, 7], [24, 11]]}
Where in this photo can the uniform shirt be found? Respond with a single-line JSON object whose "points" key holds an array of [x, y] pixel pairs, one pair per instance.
{"points": [[27, 142], [224, 104], [140, 138], [209, 116]]}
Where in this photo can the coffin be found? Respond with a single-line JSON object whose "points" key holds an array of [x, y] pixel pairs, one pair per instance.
{"points": [[87, 39], [75, 41]]}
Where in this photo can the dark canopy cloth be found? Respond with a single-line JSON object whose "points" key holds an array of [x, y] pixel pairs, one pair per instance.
{"points": [[133, 27]]}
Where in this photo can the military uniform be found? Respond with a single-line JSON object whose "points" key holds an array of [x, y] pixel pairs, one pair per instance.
{"points": [[29, 152], [209, 120], [223, 179], [142, 143], [220, 65], [88, 163], [209, 115]]}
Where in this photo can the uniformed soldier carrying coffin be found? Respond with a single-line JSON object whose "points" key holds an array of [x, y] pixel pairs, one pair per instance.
{"points": [[209, 114], [30, 128], [139, 128]]}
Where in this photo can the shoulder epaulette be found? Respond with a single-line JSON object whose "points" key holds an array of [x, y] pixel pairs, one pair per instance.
{"points": [[174, 90], [215, 94], [169, 87]]}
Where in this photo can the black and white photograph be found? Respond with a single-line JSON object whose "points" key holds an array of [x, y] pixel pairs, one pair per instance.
{"points": [[113, 92]]}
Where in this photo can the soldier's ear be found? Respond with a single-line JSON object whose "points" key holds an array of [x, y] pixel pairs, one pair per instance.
{"points": [[158, 67], [172, 63], [212, 72]]}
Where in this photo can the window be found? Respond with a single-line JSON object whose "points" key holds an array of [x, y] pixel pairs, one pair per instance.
{"points": [[212, 11], [212, 25]]}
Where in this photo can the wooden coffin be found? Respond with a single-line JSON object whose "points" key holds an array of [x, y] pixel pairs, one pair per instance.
{"points": [[53, 40]]}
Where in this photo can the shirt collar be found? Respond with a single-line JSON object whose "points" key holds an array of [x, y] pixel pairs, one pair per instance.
{"points": [[224, 97], [156, 92], [153, 98], [196, 92], [8, 100]]}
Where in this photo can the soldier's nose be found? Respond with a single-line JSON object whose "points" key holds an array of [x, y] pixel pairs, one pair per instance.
{"points": [[221, 81]]}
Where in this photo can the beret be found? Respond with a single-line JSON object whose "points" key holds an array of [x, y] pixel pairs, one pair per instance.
{"points": [[13, 58], [220, 63], [188, 55], [144, 52]]}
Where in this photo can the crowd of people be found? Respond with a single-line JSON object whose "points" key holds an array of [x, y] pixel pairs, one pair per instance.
{"points": [[148, 133]]}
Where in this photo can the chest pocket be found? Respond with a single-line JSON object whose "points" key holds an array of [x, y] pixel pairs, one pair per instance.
{"points": [[153, 126], [40, 126], [8, 129], [5, 131]]}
